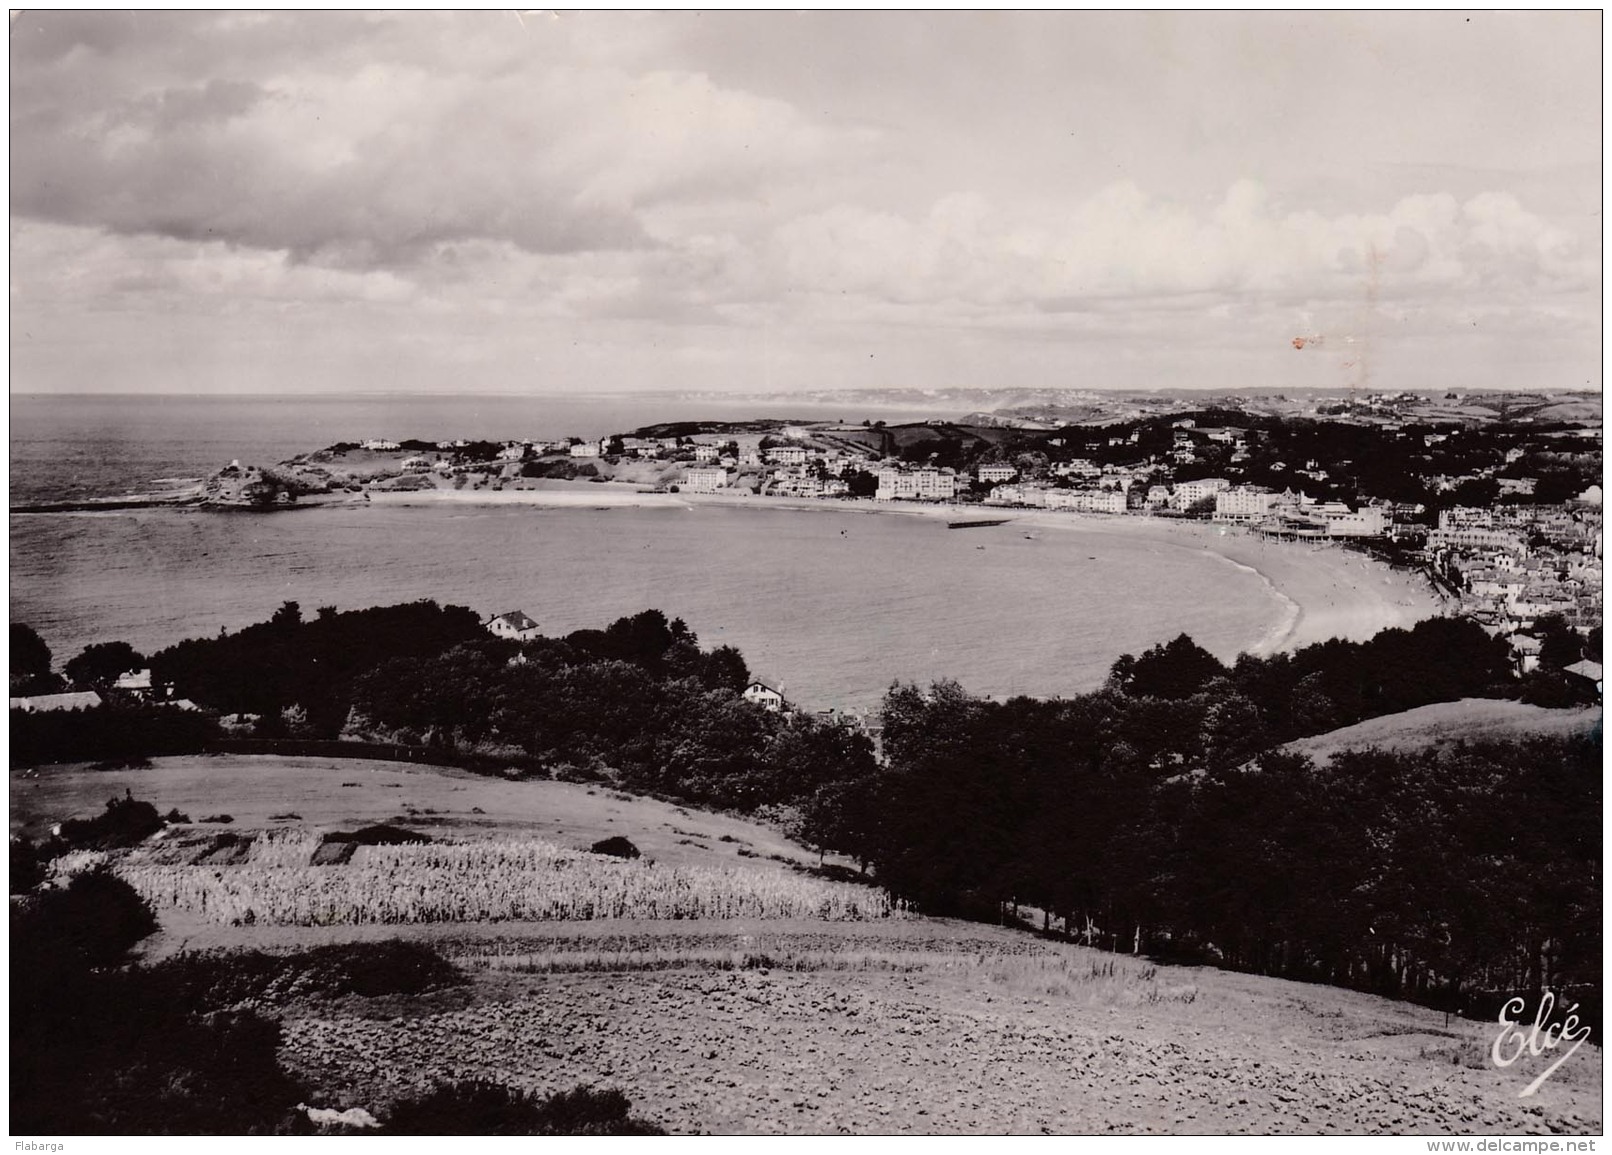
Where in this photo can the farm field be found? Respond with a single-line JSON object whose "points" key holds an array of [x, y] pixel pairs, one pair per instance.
{"points": [[780, 1017], [1444, 723], [256, 789], [947, 1042]]}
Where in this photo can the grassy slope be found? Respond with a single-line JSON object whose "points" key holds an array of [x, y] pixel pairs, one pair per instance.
{"points": [[921, 1026], [1441, 724], [254, 788]]}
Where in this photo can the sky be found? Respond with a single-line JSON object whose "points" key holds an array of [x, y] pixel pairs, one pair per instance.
{"points": [[541, 203]]}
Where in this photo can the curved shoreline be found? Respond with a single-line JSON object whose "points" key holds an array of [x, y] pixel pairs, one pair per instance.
{"points": [[1324, 589]]}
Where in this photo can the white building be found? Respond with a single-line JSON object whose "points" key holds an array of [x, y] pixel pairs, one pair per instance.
{"points": [[1190, 493], [787, 455], [136, 682], [1033, 495], [379, 445], [1367, 522], [996, 473], [706, 452], [1087, 500], [917, 485], [515, 626], [1080, 467], [44, 703], [705, 480], [1243, 503], [764, 696], [514, 451], [587, 449]]}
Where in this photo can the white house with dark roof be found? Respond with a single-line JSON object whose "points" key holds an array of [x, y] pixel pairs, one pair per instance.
{"points": [[515, 626], [764, 696]]}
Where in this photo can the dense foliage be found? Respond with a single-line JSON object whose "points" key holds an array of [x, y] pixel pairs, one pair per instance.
{"points": [[111, 732], [478, 1107], [112, 1052], [102, 1048], [639, 702], [30, 663], [288, 662], [1156, 815]]}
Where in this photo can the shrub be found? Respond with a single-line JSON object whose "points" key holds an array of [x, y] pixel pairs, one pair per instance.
{"points": [[92, 921], [93, 1054], [126, 822], [616, 847], [478, 1107], [27, 865], [221, 818]]}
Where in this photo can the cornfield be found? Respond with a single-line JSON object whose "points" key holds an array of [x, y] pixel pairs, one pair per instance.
{"points": [[76, 862], [485, 881]]}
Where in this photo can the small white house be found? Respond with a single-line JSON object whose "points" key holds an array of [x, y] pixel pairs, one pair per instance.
{"points": [[515, 626], [764, 696], [136, 682]]}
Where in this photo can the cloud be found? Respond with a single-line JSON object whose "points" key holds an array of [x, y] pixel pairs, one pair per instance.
{"points": [[1123, 245], [668, 181], [370, 162]]}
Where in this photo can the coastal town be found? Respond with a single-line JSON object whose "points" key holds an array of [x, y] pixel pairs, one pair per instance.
{"points": [[1502, 516]]}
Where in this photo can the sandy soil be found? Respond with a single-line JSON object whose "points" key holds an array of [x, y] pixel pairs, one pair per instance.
{"points": [[949, 1052], [1329, 591]]}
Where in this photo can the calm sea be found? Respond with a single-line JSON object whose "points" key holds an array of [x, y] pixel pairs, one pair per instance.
{"points": [[833, 606]]}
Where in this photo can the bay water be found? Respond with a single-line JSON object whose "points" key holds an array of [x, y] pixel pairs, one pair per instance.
{"points": [[830, 606]]}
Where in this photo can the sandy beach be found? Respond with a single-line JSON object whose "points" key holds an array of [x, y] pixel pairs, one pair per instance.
{"points": [[1329, 590]]}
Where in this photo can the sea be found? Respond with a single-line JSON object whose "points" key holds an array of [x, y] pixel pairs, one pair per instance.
{"points": [[830, 606]]}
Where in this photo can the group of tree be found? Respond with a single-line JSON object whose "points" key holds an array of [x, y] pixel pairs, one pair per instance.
{"points": [[639, 703], [310, 664], [96, 667], [1160, 814]]}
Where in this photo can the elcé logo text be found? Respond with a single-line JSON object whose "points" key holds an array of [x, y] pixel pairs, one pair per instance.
{"points": [[1538, 1038]]}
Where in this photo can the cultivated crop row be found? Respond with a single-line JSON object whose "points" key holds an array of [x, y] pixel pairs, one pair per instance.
{"points": [[494, 880]]}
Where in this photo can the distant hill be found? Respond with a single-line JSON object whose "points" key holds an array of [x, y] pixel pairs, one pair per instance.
{"points": [[1445, 723]]}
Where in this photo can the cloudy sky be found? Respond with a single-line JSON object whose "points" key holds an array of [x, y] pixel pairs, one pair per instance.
{"points": [[505, 202]]}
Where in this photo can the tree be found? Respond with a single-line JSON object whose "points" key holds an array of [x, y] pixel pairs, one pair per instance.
{"points": [[30, 663], [30, 656], [724, 668], [1178, 669], [862, 483], [1559, 644], [103, 663]]}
